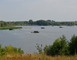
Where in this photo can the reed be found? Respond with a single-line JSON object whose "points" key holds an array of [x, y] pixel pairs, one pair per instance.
{"points": [[36, 57]]}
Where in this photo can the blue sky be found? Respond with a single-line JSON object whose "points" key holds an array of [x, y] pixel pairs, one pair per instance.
{"points": [[22, 10]]}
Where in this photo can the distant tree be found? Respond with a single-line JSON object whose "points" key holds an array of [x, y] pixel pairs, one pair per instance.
{"points": [[31, 22], [26, 23], [49, 22], [2, 24], [41, 22]]}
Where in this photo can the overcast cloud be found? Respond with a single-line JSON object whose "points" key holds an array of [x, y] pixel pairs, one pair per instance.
{"points": [[58, 10]]}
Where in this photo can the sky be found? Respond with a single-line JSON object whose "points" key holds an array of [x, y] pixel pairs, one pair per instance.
{"points": [[23, 10]]}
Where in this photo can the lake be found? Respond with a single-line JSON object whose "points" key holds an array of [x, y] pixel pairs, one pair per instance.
{"points": [[24, 39]]}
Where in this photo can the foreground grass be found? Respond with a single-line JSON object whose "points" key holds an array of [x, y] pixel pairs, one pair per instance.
{"points": [[4, 28], [36, 57]]}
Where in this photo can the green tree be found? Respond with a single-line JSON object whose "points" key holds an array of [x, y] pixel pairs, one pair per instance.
{"points": [[59, 47], [73, 45], [41, 22], [63, 46], [2, 24], [31, 22]]}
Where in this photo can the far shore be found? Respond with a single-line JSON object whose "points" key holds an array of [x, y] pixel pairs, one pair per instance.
{"points": [[11, 27]]}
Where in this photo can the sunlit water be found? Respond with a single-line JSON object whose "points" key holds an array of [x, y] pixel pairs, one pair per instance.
{"points": [[24, 39]]}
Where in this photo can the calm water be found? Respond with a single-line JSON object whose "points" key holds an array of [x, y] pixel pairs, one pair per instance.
{"points": [[24, 39]]}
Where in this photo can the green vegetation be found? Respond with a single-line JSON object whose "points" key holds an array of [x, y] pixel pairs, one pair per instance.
{"points": [[60, 50], [60, 47], [38, 22], [73, 45], [4, 25], [10, 27], [10, 50], [41, 23]]}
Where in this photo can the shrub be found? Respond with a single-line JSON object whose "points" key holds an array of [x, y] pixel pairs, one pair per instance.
{"points": [[10, 50], [59, 47]]}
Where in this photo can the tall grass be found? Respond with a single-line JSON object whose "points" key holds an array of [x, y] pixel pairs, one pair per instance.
{"points": [[36, 57]]}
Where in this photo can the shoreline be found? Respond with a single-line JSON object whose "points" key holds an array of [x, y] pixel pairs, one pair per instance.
{"points": [[11, 27]]}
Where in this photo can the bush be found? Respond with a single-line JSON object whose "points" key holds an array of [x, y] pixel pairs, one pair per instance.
{"points": [[59, 47], [10, 50]]}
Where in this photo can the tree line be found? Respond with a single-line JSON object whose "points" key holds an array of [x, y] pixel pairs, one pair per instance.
{"points": [[38, 22], [60, 47], [42, 22], [2, 23]]}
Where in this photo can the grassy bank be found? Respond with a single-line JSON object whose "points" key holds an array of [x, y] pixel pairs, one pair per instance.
{"points": [[36, 57], [12, 27]]}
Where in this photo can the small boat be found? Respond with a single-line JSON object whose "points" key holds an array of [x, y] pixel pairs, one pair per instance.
{"points": [[10, 29], [60, 27], [42, 27], [35, 32]]}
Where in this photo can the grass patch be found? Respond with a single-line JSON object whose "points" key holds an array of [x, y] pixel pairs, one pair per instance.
{"points": [[36, 57], [12, 27]]}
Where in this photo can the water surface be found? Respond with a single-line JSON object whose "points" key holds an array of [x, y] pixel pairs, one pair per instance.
{"points": [[24, 39]]}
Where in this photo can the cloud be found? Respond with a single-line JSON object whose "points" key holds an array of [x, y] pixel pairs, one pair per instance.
{"points": [[38, 9], [14, 0]]}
